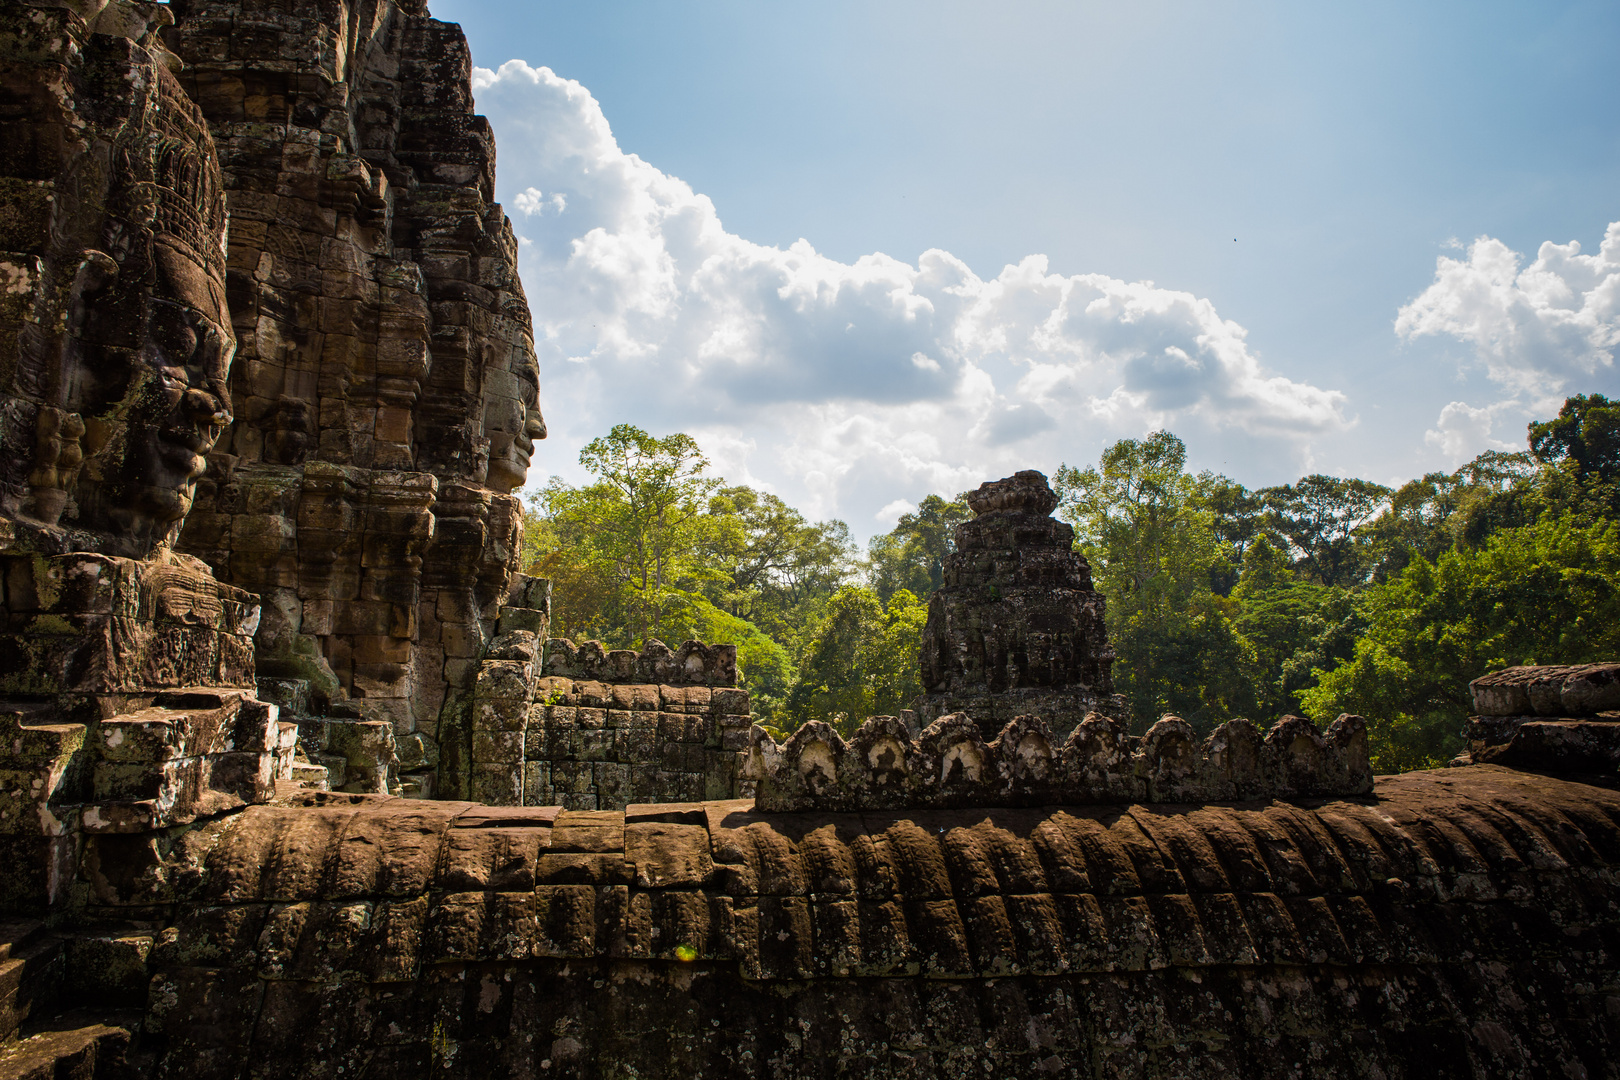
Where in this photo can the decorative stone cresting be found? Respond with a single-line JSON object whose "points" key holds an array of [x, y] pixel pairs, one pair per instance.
{"points": [[950, 764], [693, 664], [1017, 628]]}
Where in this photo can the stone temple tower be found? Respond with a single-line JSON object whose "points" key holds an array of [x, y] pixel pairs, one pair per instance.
{"points": [[1016, 629]]}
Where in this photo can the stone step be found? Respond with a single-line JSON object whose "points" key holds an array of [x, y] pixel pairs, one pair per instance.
{"points": [[17, 934], [73, 1047], [30, 976]]}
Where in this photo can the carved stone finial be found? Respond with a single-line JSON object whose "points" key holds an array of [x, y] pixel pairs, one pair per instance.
{"points": [[1024, 492]]}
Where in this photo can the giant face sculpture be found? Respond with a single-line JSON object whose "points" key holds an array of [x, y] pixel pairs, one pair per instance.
{"points": [[512, 419], [123, 349]]}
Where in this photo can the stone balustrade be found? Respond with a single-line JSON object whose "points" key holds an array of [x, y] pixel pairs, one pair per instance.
{"points": [[950, 764]]}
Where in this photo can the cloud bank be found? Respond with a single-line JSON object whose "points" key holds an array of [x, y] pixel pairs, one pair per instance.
{"points": [[849, 386], [1541, 332]]}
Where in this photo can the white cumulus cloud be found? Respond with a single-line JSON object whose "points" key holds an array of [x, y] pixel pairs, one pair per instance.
{"points": [[854, 386], [1463, 432], [1541, 330]]}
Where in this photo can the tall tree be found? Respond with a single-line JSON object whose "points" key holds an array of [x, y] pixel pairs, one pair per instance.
{"points": [[777, 566], [1145, 524], [1586, 432], [861, 661], [911, 556], [641, 530], [1320, 515], [1547, 593]]}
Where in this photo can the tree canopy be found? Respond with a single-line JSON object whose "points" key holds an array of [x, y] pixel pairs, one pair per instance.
{"points": [[1325, 595]]}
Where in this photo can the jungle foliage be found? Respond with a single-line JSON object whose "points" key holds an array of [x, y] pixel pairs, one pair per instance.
{"points": [[1323, 596]]}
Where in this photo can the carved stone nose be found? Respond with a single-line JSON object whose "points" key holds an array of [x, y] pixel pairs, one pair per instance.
{"points": [[201, 404]]}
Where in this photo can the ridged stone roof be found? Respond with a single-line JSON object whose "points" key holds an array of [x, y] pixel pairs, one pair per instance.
{"points": [[1475, 906]]}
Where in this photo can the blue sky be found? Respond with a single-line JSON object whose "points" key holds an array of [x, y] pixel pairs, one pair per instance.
{"points": [[726, 209]]}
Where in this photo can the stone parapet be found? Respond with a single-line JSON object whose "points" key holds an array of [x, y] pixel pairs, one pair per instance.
{"points": [[951, 765], [693, 664]]}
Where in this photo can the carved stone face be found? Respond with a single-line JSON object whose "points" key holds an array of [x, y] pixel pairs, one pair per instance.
{"points": [[512, 419], [125, 375]]}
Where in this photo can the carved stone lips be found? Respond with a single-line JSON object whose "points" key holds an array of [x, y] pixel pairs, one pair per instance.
{"points": [[183, 447]]}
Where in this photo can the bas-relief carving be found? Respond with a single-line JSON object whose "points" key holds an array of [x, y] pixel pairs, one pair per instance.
{"points": [[122, 342], [126, 668], [386, 387]]}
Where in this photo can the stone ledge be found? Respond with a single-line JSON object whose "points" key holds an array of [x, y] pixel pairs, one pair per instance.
{"points": [[1548, 690]]}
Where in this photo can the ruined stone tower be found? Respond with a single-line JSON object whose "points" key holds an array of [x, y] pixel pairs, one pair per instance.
{"points": [[1017, 628]]}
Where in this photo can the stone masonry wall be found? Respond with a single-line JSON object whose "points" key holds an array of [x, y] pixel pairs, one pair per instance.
{"points": [[384, 389], [601, 743], [602, 746], [1453, 923]]}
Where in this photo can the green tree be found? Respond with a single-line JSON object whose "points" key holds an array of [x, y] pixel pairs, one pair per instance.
{"points": [[777, 567], [1547, 593], [1146, 525], [861, 661], [638, 534], [1586, 432], [1320, 515], [1441, 510], [911, 556], [1294, 627]]}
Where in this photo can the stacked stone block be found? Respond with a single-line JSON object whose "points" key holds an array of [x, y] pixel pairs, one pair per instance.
{"points": [[169, 759], [95, 626], [601, 746], [1017, 628], [1560, 718], [599, 737]]}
